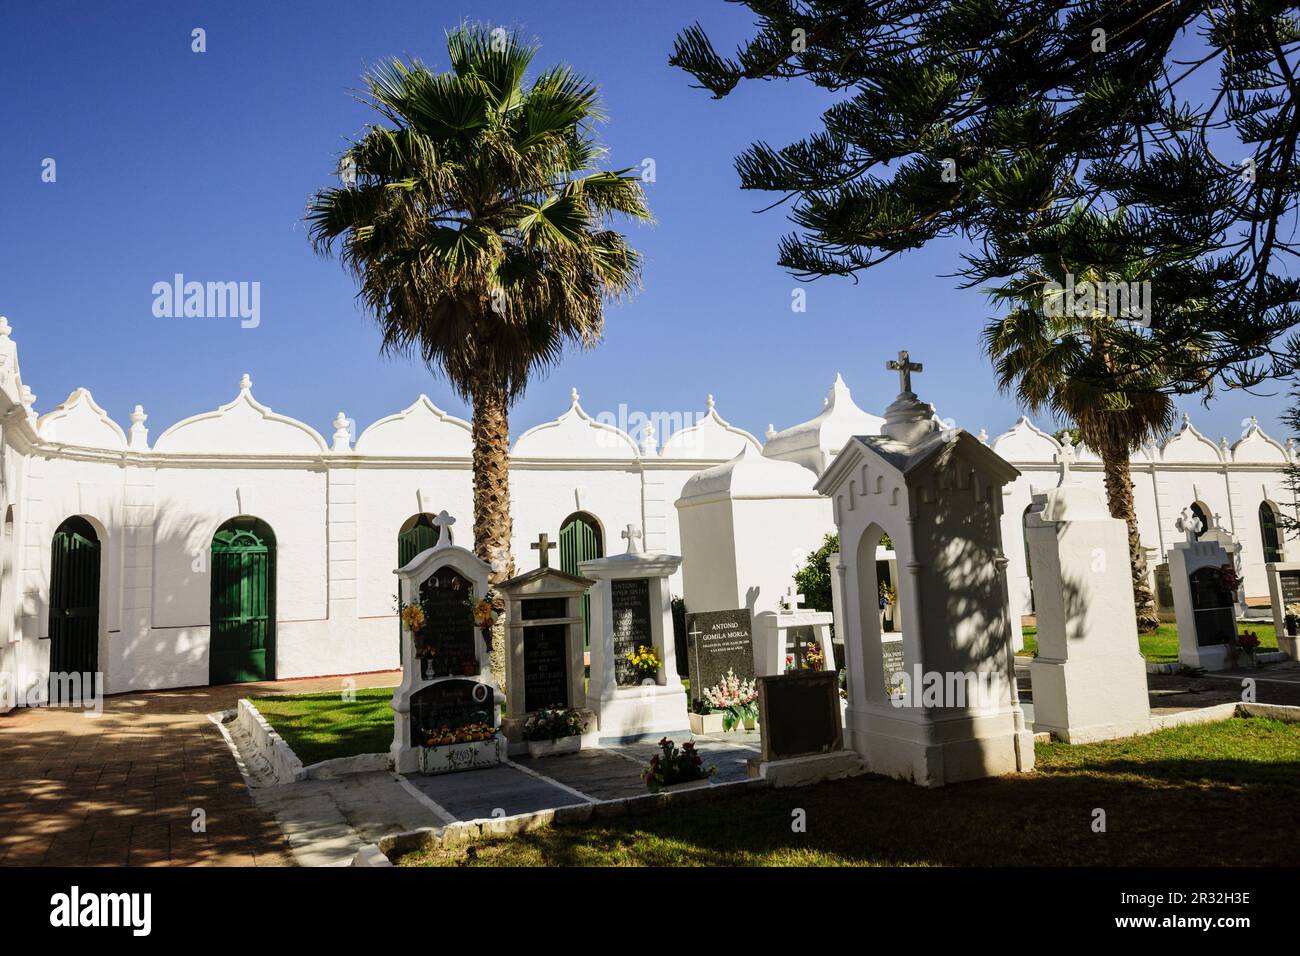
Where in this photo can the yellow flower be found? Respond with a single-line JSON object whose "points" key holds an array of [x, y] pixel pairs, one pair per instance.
{"points": [[413, 618]]}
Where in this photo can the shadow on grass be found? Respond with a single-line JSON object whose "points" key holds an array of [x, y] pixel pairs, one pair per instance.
{"points": [[1161, 809]]}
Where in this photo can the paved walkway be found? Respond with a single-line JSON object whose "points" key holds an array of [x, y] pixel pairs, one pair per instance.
{"points": [[122, 788]]}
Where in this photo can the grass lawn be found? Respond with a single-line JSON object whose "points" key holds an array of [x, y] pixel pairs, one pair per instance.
{"points": [[1162, 646], [324, 726], [1218, 794]]}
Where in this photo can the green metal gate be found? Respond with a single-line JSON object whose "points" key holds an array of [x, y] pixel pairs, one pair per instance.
{"points": [[417, 536], [243, 603], [74, 608], [580, 540]]}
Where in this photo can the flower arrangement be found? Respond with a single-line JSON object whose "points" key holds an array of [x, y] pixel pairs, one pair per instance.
{"points": [[675, 765], [888, 594], [735, 699], [644, 661], [468, 733], [1292, 618], [484, 616], [1248, 643], [813, 658], [413, 618], [1229, 578], [552, 723]]}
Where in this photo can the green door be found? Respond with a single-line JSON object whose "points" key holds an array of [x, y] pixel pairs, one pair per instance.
{"points": [[74, 609], [243, 603], [417, 536], [580, 541]]}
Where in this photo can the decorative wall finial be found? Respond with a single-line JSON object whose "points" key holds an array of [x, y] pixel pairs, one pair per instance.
{"points": [[246, 383], [649, 444], [4, 327], [342, 433], [573, 396], [139, 437]]}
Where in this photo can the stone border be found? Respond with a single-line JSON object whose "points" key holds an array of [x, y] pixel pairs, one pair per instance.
{"points": [[279, 755], [467, 831], [286, 765]]}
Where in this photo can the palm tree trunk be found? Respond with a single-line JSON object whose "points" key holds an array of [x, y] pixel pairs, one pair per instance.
{"points": [[490, 430], [1119, 495]]}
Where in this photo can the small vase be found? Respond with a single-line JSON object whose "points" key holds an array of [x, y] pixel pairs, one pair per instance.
{"points": [[750, 724]]}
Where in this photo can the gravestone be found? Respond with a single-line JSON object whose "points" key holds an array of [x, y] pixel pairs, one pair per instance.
{"points": [[1284, 591], [631, 607], [544, 636], [1164, 594], [802, 734], [1089, 679], [446, 680], [630, 603], [719, 641], [1203, 607]]}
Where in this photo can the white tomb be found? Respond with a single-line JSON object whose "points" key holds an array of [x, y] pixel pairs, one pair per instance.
{"points": [[631, 605], [1089, 678], [1284, 590], [937, 493], [1206, 613], [430, 664], [776, 631], [544, 644]]}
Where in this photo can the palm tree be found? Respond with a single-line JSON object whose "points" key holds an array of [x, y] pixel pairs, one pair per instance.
{"points": [[1108, 378], [479, 229]]}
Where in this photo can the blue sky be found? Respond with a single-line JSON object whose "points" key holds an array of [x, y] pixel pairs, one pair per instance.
{"points": [[170, 161]]}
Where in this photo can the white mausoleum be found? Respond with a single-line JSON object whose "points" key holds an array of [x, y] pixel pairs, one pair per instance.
{"points": [[143, 557]]}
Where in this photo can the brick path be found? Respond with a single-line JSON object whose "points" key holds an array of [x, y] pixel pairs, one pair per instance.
{"points": [[121, 789]]}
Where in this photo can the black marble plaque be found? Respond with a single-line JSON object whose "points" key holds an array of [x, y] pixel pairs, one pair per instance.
{"points": [[630, 600], [543, 608], [1288, 586], [1212, 608], [450, 703], [719, 641], [447, 644], [799, 714], [546, 667]]}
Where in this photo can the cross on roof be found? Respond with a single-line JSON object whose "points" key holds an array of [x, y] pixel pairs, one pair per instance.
{"points": [[443, 522], [904, 366], [631, 534], [544, 544]]}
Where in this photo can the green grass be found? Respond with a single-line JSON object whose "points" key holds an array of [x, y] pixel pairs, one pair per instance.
{"points": [[1211, 795], [1162, 646], [324, 726]]}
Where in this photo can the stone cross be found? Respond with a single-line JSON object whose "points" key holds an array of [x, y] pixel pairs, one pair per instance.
{"points": [[544, 544], [904, 366], [443, 522], [631, 534], [1065, 458], [1189, 525], [791, 600]]}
